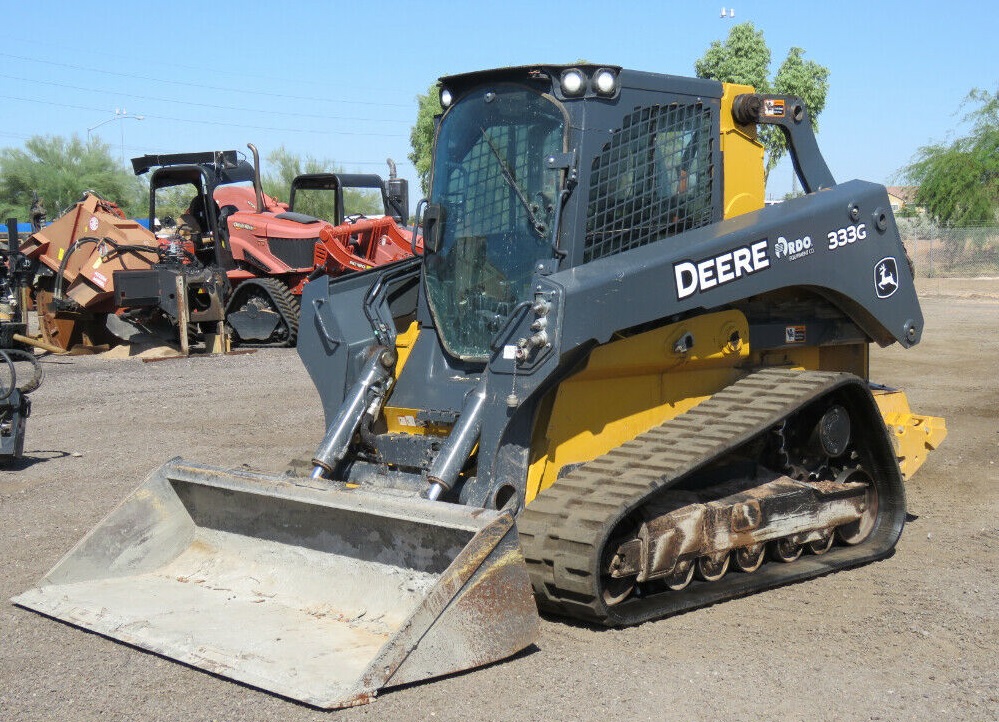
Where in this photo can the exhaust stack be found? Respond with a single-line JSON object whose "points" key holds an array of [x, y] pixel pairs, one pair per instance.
{"points": [[257, 185]]}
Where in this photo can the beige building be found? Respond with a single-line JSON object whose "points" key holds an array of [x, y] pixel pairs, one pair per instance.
{"points": [[902, 196]]}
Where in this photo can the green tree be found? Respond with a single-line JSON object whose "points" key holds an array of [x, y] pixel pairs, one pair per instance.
{"points": [[745, 58], [60, 170], [421, 137], [172, 201], [958, 182], [285, 166], [810, 82]]}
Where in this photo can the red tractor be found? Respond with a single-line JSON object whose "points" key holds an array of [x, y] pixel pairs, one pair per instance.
{"points": [[235, 255]]}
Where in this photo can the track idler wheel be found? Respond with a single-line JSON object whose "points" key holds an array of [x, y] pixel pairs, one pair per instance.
{"points": [[616, 584], [856, 532], [617, 589]]}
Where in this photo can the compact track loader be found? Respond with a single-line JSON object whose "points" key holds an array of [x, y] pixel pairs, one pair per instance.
{"points": [[607, 339]]}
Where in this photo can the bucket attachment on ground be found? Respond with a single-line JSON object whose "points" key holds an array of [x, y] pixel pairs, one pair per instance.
{"points": [[309, 589]]}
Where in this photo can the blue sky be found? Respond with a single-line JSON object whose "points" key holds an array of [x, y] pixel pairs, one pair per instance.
{"points": [[338, 80]]}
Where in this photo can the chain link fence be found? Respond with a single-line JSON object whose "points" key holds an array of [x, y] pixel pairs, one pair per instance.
{"points": [[951, 252]]}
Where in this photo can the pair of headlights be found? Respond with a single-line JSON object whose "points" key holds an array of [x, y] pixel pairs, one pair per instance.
{"points": [[573, 83]]}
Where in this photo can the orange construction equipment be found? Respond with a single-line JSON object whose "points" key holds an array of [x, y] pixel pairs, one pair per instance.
{"points": [[242, 256]]}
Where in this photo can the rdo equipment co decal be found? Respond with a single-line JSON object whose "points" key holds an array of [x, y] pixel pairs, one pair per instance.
{"points": [[793, 250]]}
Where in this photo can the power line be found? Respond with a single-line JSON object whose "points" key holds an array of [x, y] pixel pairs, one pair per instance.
{"points": [[156, 60], [318, 116], [243, 91], [227, 124]]}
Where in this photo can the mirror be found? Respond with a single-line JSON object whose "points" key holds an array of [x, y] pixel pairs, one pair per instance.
{"points": [[433, 226]]}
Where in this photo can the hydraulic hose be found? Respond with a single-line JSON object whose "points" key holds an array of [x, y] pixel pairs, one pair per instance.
{"points": [[6, 391], [10, 356], [38, 372], [57, 294], [119, 248]]}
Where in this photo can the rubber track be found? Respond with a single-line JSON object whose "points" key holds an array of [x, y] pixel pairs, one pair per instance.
{"points": [[285, 303], [564, 530]]}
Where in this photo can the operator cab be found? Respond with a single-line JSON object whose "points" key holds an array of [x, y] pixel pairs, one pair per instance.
{"points": [[510, 197], [183, 186], [348, 197]]}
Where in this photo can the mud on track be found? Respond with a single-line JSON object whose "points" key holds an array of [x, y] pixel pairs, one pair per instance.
{"points": [[912, 637]]}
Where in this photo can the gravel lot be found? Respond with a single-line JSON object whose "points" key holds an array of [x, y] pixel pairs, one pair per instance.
{"points": [[912, 637]]}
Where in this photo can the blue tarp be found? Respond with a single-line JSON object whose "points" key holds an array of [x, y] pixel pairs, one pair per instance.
{"points": [[26, 227]]}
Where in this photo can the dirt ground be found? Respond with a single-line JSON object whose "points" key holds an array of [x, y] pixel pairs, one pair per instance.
{"points": [[912, 637]]}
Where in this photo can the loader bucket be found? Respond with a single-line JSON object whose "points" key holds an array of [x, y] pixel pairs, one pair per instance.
{"points": [[308, 589]]}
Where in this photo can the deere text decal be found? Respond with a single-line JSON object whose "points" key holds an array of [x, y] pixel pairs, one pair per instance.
{"points": [[699, 276]]}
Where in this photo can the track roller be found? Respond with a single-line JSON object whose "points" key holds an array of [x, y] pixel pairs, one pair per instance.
{"points": [[749, 559], [821, 546], [681, 578], [711, 568], [785, 550]]}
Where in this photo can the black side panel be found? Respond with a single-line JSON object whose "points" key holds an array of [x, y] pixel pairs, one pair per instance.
{"points": [[297, 217], [841, 242], [296, 252], [136, 288]]}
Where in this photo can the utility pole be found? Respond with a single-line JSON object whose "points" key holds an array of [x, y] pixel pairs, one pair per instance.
{"points": [[120, 114]]}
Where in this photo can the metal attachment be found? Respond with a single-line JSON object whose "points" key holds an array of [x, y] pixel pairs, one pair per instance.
{"points": [[833, 431], [746, 108], [684, 344]]}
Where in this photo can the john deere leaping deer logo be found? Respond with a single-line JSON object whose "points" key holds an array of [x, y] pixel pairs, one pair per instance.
{"points": [[885, 277]]}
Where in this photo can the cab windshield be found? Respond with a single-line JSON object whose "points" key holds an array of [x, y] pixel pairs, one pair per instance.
{"points": [[497, 198]]}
